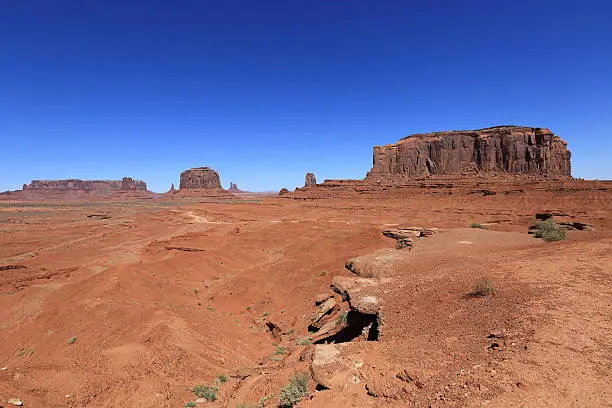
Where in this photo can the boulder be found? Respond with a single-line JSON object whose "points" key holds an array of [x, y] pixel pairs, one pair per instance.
{"points": [[200, 177], [500, 149]]}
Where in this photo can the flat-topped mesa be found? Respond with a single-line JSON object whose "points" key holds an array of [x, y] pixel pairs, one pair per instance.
{"points": [[200, 177], [500, 149], [126, 184]]}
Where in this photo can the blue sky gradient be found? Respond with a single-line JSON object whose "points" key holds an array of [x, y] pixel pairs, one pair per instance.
{"points": [[264, 91]]}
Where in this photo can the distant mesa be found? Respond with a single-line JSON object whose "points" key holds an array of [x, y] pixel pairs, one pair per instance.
{"points": [[125, 184], [500, 149], [200, 178], [311, 180]]}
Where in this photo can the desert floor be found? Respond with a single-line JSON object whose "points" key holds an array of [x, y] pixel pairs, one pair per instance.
{"points": [[131, 304]]}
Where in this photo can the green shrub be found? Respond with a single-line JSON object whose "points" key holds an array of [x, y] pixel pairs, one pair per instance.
{"points": [[191, 404], [205, 391], [549, 231], [280, 350], [304, 341], [293, 392], [222, 378], [482, 287], [476, 225], [72, 340]]}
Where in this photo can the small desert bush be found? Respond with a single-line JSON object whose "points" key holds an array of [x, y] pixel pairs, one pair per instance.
{"points": [[222, 378], [207, 392], [293, 392], [304, 341], [482, 287], [190, 404], [549, 231], [280, 350], [72, 340], [476, 225]]}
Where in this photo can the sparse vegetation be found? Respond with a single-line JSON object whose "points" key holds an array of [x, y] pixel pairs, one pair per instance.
{"points": [[246, 405], [222, 378], [323, 273], [207, 392], [72, 340], [343, 318], [304, 341], [25, 352], [293, 392], [280, 350], [482, 287], [191, 404], [549, 231], [476, 225], [399, 244]]}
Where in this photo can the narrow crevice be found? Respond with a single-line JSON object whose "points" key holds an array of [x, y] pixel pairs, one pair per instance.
{"points": [[359, 327]]}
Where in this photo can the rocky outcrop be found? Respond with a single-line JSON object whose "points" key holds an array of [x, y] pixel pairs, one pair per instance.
{"points": [[502, 149], [311, 180], [126, 184], [200, 177], [234, 188]]}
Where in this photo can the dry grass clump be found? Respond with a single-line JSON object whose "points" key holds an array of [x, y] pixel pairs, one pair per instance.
{"points": [[482, 287]]}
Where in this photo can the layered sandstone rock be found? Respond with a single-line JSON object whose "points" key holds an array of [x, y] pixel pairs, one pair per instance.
{"points": [[200, 177], [311, 180], [234, 188], [502, 149], [126, 184]]}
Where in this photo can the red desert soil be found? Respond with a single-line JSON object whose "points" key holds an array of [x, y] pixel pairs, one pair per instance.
{"points": [[132, 304]]}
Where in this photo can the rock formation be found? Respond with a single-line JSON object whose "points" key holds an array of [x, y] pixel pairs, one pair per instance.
{"points": [[311, 180], [126, 184], [234, 188], [200, 177], [501, 149]]}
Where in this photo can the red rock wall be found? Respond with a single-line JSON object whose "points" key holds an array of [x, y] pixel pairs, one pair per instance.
{"points": [[506, 149], [126, 183], [200, 177]]}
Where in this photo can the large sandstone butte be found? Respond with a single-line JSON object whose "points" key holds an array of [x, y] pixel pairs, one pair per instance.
{"points": [[500, 149], [200, 177], [127, 183]]}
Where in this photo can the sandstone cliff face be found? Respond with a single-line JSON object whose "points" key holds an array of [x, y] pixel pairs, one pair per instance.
{"points": [[506, 149], [126, 183], [311, 180], [200, 177]]}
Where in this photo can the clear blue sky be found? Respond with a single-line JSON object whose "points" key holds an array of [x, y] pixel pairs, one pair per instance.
{"points": [[264, 91]]}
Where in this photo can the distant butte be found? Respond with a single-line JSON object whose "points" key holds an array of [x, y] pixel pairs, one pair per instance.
{"points": [[200, 178], [500, 149]]}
